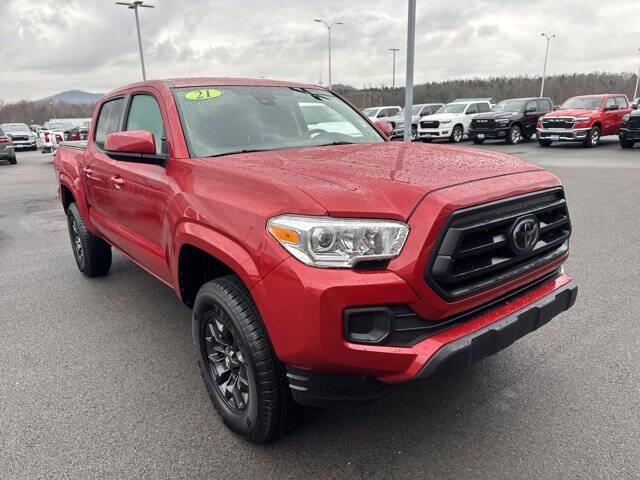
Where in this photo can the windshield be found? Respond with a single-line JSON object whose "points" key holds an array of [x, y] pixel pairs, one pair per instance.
{"points": [[452, 108], [225, 120], [509, 106], [586, 103], [15, 127], [370, 112]]}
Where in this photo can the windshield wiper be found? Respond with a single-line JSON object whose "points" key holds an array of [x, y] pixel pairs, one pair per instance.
{"points": [[315, 95], [339, 142], [234, 152]]}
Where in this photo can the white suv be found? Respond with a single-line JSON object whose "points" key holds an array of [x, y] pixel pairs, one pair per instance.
{"points": [[451, 121], [380, 113]]}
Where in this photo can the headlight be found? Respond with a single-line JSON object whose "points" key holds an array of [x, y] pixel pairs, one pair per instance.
{"points": [[626, 118], [338, 242], [399, 124], [445, 121], [582, 119], [502, 121]]}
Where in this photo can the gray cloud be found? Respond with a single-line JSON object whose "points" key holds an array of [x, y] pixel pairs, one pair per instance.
{"points": [[51, 45]]}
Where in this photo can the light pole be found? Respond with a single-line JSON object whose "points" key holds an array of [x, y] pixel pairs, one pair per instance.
{"points": [[393, 81], [408, 89], [548, 36], [134, 6], [635, 92], [329, 27]]}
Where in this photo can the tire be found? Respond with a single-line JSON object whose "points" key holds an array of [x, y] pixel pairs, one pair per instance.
{"points": [[593, 138], [92, 254], [456, 134], [626, 143], [477, 141], [544, 143], [514, 136], [226, 324], [13, 160], [414, 133]]}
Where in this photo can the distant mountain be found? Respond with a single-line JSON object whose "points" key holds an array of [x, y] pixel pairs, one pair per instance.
{"points": [[74, 96]]}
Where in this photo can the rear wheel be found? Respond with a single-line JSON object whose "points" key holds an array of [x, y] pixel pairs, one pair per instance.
{"points": [[456, 134], [593, 138], [626, 143], [92, 254], [544, 143], [245, 380]]}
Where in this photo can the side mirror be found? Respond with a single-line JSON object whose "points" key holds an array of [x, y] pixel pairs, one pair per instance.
{"points": [[634, 106], [531, 110], [136, 146], [611, 107], [384, 127]]}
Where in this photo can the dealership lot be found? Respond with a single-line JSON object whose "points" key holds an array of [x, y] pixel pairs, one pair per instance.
{"points": [[98, 379]]}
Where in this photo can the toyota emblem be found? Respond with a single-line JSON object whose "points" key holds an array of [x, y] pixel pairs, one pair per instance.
{"points": [[525, 234]]}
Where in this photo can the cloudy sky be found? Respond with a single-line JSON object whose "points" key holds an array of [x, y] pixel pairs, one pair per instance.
{"points": [[47, 46]]}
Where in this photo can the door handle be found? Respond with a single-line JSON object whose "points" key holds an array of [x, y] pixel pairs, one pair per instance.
{"points": [[118, 181], [87, 171]]}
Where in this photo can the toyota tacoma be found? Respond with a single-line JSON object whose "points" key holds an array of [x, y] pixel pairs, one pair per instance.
{"points": [[321, 266]]}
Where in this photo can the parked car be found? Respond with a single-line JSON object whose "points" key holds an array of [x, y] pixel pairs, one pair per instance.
{"points": [[53, 134], [381, 113], [512, 120], [417, 112], [320, 268], [6, 149], [629, 129], [584, 119], [451, 122], [321, 119], [21, 135]]}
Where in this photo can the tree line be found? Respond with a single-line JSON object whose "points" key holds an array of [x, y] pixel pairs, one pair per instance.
{"points": [[38, 112], [557, 87]]}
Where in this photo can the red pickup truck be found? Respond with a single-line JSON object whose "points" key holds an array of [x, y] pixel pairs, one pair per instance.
{"points": [[584, 119], [322, 265]]}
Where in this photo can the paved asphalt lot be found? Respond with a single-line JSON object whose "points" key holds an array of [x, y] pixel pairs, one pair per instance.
{"points": [[98, 379]]}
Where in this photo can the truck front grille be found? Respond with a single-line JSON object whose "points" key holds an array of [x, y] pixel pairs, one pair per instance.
{"points": [[483, 124], [430, 124], [558, 122], [634, 123], [482, 247]]}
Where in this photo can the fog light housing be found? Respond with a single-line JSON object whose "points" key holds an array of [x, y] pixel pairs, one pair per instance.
{"points": [[367, 325]]}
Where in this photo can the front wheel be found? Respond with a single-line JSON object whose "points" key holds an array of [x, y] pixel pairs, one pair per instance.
{"points": [[515, 135], [414, 133], [456, 134], [13, 160], [245, 380], [593, 138], [626, 143]]}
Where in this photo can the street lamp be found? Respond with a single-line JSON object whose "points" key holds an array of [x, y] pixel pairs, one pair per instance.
{"points": [[408, 89], [635, 92], [548, 36], [393, 82], [134, 6], [329, 27]]}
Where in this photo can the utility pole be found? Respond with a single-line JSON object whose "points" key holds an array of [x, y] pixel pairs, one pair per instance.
{"points": [[134, 6], [408, 90], [635, 92], [548, 36], [329, 27], [393, 78]]}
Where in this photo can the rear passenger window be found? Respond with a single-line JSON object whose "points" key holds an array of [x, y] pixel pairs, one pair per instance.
{"points": [[622, 102], [483, 107], [108, 120], [544, 105], [144, 114]]}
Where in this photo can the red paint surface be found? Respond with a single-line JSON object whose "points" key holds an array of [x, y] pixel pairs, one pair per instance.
{"points": [[135, 141], [221, 205]]}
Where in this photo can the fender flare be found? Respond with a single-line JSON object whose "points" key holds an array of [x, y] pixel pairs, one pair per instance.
{"points": [[219, 246], [75, 186]]}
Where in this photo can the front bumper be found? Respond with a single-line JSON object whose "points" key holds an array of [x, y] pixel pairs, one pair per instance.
{"points": [[496, 133], [431, 133], [24, 144], [456, 349], [563, 135], [629, 134]]}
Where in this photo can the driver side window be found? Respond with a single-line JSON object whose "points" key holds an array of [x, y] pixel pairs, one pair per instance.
{"points": [[610, 102], [472, 109], [144, 114]]}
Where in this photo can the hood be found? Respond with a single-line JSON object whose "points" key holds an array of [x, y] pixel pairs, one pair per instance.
{"points": [[385, 180], [19, 132], [400, 118], [496, 115], [443, 116], [572, 112]]}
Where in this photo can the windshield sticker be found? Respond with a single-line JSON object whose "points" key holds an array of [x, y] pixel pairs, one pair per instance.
{"points": [[203, 94]]}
